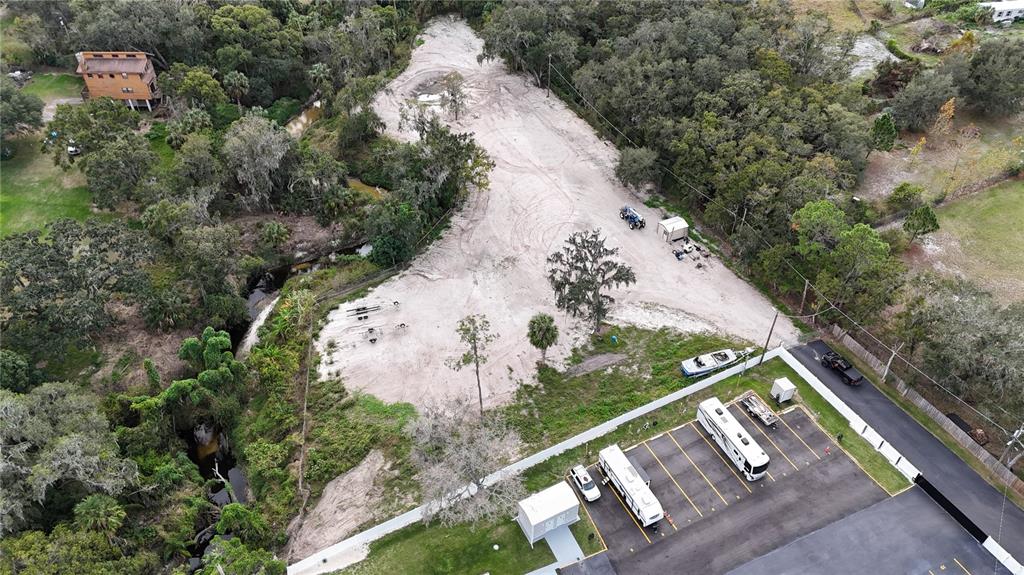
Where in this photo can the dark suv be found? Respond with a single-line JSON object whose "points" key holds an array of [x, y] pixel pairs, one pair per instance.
{"points": [[838, 364]]}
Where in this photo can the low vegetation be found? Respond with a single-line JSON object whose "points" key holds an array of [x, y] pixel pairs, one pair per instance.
{"points": [[465, 548], [52, 86], [35, 192], [553, 411]]}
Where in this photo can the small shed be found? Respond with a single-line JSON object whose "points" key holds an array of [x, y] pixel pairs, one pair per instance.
{"points": [[783, 389], [673, 229], [548, 510]]}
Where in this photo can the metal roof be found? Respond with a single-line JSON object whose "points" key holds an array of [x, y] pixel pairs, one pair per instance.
{"points": [[123, 64]]}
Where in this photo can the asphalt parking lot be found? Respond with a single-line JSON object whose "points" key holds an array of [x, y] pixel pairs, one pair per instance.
{"points": [[715, 519], [908, 533], [984, 504]]}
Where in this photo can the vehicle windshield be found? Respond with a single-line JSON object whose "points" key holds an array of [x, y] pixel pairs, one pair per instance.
{"points": [[588, 485], [759, 469]]}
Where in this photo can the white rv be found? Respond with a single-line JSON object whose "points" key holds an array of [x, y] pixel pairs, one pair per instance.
{"points": [[737, 444], [635, 490]]}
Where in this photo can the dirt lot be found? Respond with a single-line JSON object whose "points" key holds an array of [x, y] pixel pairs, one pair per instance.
{"points": [[948, 165], [710, 506], [553, 176]]}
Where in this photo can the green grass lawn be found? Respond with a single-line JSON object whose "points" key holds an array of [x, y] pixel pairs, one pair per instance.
{"points": [[33, 191], [988, 228], [586, 534], [52, 86], [421, 549], [157, 136], [562, 406]]}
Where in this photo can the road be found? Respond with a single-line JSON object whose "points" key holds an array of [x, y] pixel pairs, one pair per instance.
{"points": [[908, 533], [1000, 518]]}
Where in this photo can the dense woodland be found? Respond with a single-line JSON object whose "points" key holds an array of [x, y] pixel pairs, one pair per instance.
{"points": [[742, 116], [98, 475], [745, 117]]}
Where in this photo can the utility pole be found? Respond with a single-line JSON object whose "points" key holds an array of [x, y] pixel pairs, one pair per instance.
{"points": [[889, 363], [549, 77], [769, 337], [803, 298], [1018, 438]]}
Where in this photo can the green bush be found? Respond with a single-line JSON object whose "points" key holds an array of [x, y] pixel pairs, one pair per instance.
{"points": [[284, 109], [894, 47]]}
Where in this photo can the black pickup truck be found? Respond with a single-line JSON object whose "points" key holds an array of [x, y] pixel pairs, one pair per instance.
{"points": [[838, 364]]}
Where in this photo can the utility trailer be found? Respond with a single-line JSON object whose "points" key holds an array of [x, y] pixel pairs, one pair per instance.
{"points": [[754, 406], [636, 492]]}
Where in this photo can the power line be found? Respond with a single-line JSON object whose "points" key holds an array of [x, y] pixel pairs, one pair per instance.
{"points": [[793, 268]]}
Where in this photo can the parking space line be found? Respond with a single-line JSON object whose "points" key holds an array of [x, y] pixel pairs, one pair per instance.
{"points": [[712, 485], [628, 512], [961, 566], [727, 463], [670, 476], [589, 516], [849, 456], [783, 420], [765, 435]]}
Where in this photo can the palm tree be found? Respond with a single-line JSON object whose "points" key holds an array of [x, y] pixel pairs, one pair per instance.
{"points": [[100, 513], [543, 333], [236, 85]]}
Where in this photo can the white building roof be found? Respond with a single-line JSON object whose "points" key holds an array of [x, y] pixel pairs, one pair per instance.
{"points": [[549, 503], [1005, 5], [783, 383], [674, 223]]}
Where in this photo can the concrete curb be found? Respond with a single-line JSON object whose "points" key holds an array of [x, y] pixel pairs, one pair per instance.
{"points": [[354, 549], [900, 463], [874, 438]]}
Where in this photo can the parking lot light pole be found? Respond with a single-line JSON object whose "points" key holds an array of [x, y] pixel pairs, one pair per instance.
{"points": [[765, 350]]}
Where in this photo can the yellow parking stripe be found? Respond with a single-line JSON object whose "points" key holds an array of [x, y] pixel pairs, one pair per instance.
{"points": [[850, 457], [712, 485], [587, 511], [728, 464], [961, 566], [798, 437], [765, 435], [628, 512], [670, 476]]}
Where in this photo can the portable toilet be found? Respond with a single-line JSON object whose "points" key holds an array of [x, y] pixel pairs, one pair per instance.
{"points": [[548, 510], [783, 389], [673, 229]]}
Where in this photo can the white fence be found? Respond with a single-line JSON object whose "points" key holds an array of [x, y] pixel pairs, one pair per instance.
{"points": [[886, 449], [856, 423], [353, 549]]}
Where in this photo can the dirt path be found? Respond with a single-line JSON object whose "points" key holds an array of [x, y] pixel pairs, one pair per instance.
{"points": [[553, 176], [347, 502]]}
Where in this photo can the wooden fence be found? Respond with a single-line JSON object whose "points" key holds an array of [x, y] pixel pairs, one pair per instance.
{"points": [[998, 469]]}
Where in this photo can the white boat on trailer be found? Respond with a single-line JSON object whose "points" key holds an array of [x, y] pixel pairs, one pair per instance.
{"points": [[713, 361]]}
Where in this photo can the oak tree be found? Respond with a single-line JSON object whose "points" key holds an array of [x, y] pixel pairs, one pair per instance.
{"points": [[582, 273]]}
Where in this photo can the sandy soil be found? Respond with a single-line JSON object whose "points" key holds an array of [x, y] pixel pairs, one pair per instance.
{"points": [[129, 337], [974, 158], [868, 52], [345, 504], [50, 107], [553, 176]]}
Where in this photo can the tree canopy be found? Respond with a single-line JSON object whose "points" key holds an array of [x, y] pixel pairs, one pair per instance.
{"points": [[582, 273], [54, 434]]}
